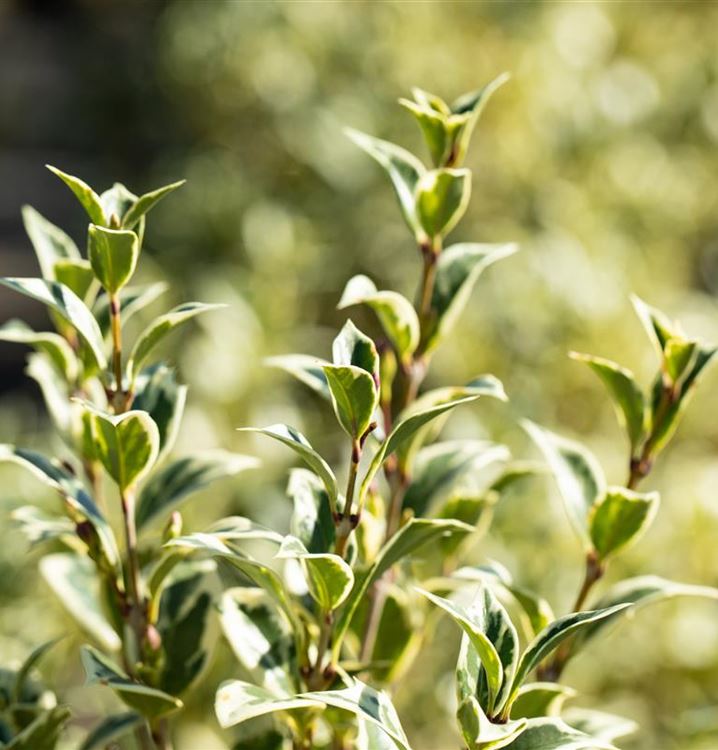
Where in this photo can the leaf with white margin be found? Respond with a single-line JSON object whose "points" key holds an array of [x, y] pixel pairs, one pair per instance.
{"points": [[73, 579], [161, 327], [237, 701], [299, 444], [367, 703], [306, 369], [52, 344], [396, 314], [329, 578], [403, 168], [555, 734], [68, 306], [410, 537], [604, 726], [457, 271], [578, 475], [126, 444]]}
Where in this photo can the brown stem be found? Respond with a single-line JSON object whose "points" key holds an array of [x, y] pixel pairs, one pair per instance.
{"points": [[143, 736], [161, 735], [319, 676]]}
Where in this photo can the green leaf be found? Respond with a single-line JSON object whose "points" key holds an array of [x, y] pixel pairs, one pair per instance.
{"points": [[403, 168], [494, 637], [438, 469], [555, 634], [262, 576], [641, 591], [260, 639], [113, 256], [115, 202], [433, 127], [666, 421], [150, 702], [620, 517], [537, 699], [410, 538], [169, 486], [54, 345], [81, 505], [183, 621], [28, 665], [76, 275], [300, 445], [126, 444], [457, 271], [396, 314], [85, 194], [239, 528], [599, 724], [39, 527], [306, 369], [442, 196], [368, 704], [578, 475], [73, 579], [657, 325], [679, 355], [478, 731], [110, 729], [472, 105], [355, 397], [312, 520], [160, 328], [555, 734], [132, 299], [428, 407], [158, 393], [627, 396], [43, 733], [352, 348], [147, 201], [238, 701], [329, 578], [68, 306], [51, 244]]}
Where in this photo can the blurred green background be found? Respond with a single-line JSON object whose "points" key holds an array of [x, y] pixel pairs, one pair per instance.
{"points": [[600, 158]]}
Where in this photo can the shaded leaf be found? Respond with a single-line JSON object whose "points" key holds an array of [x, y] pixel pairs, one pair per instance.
{"points": [[43, 733], [537, 699], [150, 702], [110, 729], [132, 299], [555, 734], [604, 726], [177, 480]]}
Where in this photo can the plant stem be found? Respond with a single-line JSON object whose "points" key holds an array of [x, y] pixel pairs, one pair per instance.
{"points": [[143, 736], [116, 326], [345, 521], [317, 678], [160, 735]]}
